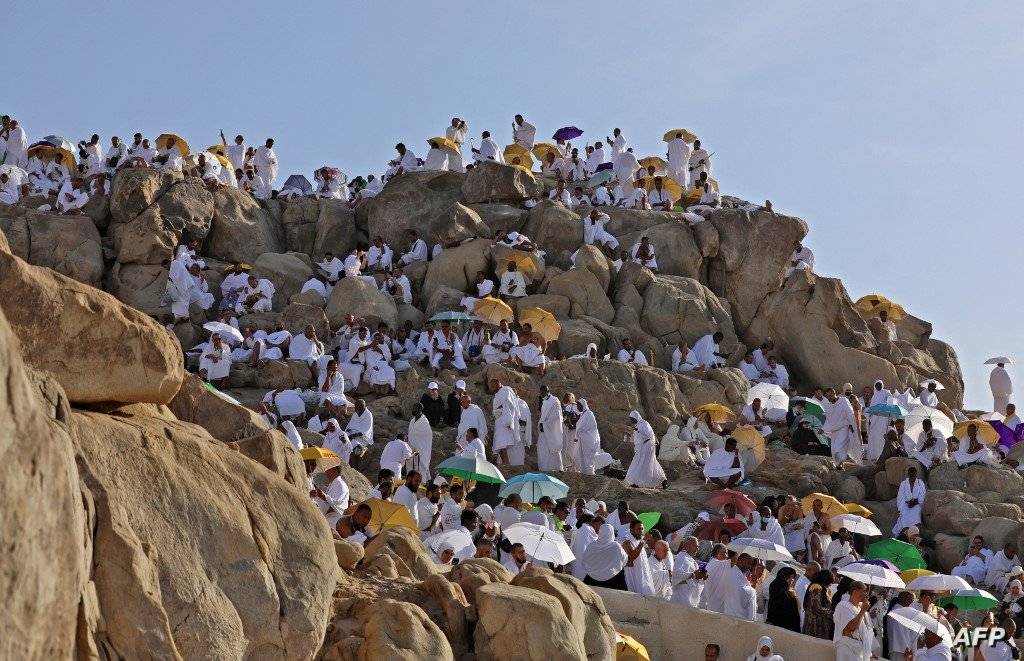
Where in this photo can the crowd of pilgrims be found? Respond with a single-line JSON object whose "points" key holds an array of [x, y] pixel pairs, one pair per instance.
{"points": [[694, 565]]}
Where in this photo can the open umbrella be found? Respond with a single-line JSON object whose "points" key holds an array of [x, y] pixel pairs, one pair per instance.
{"points": [[711, 529], [385, 514], [524, 169], [531, 487], [856, 524], [761, 549], [60, 142], [903, 555], [516, 151], [458, 538], [685, 134], [628, 648], [451, 315], [567, 133], [298, 182], [970, 600], [649, 519], [773, 398], [872, 575], [986, 432], [14, 173], [872, 304], [719, 413], [47, 149], [883, 563], [915, 417], [811, 406], [999, 360], [471, 468], [909, 575], [657, 161], [602, 177], [668, 183], [540, 542], [859, 510], [542, 322], [525, 263], [223, 160], [741, 501], [219, 150], [829, 504], [165, 140], [227, 332], [323, 457], [492, 310], [887, 410], [542, 149], [939, 583], [444, 143], [928, 382], [919, 621], [750, 438]]}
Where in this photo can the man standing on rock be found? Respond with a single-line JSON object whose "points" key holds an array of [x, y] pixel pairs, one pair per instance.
{"points": [[472, 416], [549, 442], [1002, 387], [523, 132], [265, 161], [841, 427], [505, 409]]}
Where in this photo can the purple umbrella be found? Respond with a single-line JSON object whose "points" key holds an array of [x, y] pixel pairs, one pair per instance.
{"points": [[604, 166], [1007, 437], [881, 563], [567, 133]]}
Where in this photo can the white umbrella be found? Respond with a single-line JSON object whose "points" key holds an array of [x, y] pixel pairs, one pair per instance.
{"points": [[918, 622], [14, 173], [907, 399], [227, 332], [856, 524], [999, 360], [540, 542], [873, 575], [459, 539], [917, 415], [761, 549], [928, 382], [939, 583], [773, 398]]}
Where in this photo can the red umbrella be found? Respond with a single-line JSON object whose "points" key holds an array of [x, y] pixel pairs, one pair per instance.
{"points": [[711, 529], [741, 501]]}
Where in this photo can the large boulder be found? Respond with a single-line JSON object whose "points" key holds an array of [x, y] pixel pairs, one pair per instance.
{"points": [[357, 296], [97, 348], [298, 219], [335, 230], [523, 624], [427, 201], [489, 182], [678, 309], [223, 419], [501, 218], [66, 244], [558, 229], [457, 267], [288, 271], [141, 286], [576, 335], [592, 259], [401, 631], [242, 230], [556, 304], [998, 531], [674, 245], [586, 296], [299, 315]]}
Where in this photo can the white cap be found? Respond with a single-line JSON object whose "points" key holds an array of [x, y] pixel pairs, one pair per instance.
{"points": [[432, 385], [439, 480], [460, 384]]}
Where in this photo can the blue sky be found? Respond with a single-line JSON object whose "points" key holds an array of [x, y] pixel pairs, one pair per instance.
{"points": [[894, 129]]}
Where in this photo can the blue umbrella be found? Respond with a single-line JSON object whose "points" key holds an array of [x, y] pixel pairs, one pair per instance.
{"points": [[602, 177], [886, 410], [451, 315], [298, 181], [567, 133], [531, 487]]}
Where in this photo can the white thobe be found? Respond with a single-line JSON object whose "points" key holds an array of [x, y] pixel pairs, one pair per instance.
{"points": [[265, 161], [638, 575], [625, 166], [337, 501], [634, 356], [549, 442], [505, 408], [489, 152], [686, 590], [524, 134], [856, 647], [841, 426], [472, 416], [418, 253], [588, 442], [678, 161], [650, 261], [700, 161], [1002, 388], [421, 438], [705, 352], [644, 470], [437, 159], [360, 428], [216, 362], [910, 515], [236, 155], [394, 455]]}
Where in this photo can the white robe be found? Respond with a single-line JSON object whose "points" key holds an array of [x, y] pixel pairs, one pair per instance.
{"points": [[909, 515], [719, 465], [638, 576], [394, 455], [858, 646], [877, 426], [704, 352], [686, 590], [549, 441], [421, 438], [265, 161], [489, 151], [360, 428], [1002, 388], [505, 409], [216, 362], [678, 162], [644, 471], [517, 452], [472, 416], [588, 442], [524, 134], [841, 426]]}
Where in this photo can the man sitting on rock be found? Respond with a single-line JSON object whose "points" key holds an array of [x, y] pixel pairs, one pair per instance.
{"points": [[643, 254], [527, 355], [307, 347], [707, 351], [974, 565], [215, 363], [724, 468], [513, 284], [257, 296], [254, 184], [659, 198], [332, 267], [417, 250], [331, 495], [754, 414], [72, 196], [10, 192], [473, 342], [379, 256], [630, 354], [502, 341], [397, 285], [972, 451]]}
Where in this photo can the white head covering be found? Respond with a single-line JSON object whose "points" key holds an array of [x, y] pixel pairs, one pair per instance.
{"points": [[485, 511], [432, 385], [764, 641], [460, 384], [604, 557], [592, 505], [439, 480]]}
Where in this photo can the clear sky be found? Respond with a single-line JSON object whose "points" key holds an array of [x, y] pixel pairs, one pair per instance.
{"points": [[894, 129]]}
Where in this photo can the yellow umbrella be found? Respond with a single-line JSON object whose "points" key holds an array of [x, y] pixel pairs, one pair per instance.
{"points": [[220, 150], [385, 514], [688, 136], [748, 437], [829, 505], [514, 151], [714, 185], [49, 150], [443, 143], [223, 160], [628, 648], [668, 183], [323, 457], [542, 149], [492, 310], [542, 322], [657, 161], [693, 196], [872, 304], [986, 432], [719, 412], [910, 574], [524, 262], [860, 510], [164, 140], [523, 168]]}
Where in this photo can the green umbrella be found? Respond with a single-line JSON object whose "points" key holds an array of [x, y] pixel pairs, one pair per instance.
{"points": [[970, 600], [649, 519], [451, 315], [811, 407], [471, 468], [903, 555]]}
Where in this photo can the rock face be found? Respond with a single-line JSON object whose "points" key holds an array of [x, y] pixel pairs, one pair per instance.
{"points": [[490, 182], [398, 630], [96, 347], [241, 229], [519, 623], [427, 202], [358, 297], [67, 244], [288, 271]]}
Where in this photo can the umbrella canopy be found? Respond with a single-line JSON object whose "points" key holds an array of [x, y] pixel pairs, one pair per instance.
{"points": [[711, 529], [628, 648], [60, 142], [47, 149], [887, 410], [492, 310], [523, 168], [525, 263], [928, 382], [903, 555], [245, 267], [567, 133], [939, 583], [531, 487], [872, 575], [829, 505], [227, 332], [685, 134], [607, 165], [602, 177], [14, 173], [883, 563], [520, 152], [165, 140], [385, 514], [909, 575], [298, 182], [657, 161], [750, 438], [970, 600], [741, 501], [719, 413], [918, 622], [540, 542], [542, 322], [872, 304], [458, 538], [471, 468], [860, 510], [219, 150], [773, 398], [443, 143], [856, 524], [916, 416], [451, 315], [649, 519], [987, 434], [323, 457], [542, 149], [222, 159], [761, 549], [811, 406], [668, 183], [999, 360]]}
